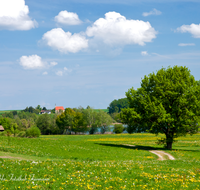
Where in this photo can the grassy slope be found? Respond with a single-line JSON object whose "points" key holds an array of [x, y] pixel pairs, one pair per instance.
{"points": [[100, 162]]}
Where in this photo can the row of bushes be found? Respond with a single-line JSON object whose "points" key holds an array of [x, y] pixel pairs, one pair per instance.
{"points": [[31, 132]]}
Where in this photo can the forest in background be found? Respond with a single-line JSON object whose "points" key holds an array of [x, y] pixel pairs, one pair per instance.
{"points": [[71, 121]]}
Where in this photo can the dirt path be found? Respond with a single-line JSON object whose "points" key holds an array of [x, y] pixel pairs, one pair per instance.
{"points": [[129, 145], [11, 157], [161, 154]]}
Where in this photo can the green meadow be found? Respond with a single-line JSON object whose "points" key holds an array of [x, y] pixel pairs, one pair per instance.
{"points": [[98, 162]]}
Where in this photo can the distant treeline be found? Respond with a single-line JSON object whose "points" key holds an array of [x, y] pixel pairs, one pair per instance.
{"points": [[72, 120]]}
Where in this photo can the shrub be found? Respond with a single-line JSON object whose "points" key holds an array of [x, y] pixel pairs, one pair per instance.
{"points": [[118, 128], [21, 134], [33, 132], [4, 133], [16, 132]]}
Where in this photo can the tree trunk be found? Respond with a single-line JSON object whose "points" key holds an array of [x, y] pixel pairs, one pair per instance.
{"points": [[169, 141], [169, 145]]}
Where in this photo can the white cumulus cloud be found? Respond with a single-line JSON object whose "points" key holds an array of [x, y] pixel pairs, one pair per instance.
{"points": [[115, 29], [53, 63], [194, 29], [65, 42], [186, 44], [34, 62], [45, 73], [153, 12], [144, 53], [68, 18], [14, 15], [64, 71], [59, 73]]}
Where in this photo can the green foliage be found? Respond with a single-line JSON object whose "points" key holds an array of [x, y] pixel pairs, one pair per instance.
{"points": [[8, 114], [79, 124], [31, 110], [116, 105], [53, 110], [44, 123], [38, 108], [21, 134], [91, 119], [90, 115], [9, 126], [167, 102], [14, 128], [72, 121], [116, 117], [93, 129], [104, 121], [27, 116], [4, 133], [47, 124], [33, 132], [118, 128], [130, 129], [44, 108], [133, 129], [6, 123], [14, 112]]}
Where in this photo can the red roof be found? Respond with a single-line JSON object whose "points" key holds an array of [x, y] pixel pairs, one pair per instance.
{"points": [[59, 108]]}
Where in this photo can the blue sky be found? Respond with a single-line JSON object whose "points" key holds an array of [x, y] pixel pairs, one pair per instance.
{"points": [[90, 52]]}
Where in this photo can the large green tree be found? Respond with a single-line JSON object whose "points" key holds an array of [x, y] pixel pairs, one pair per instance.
{"points": [[167, 102], [71, 120]]}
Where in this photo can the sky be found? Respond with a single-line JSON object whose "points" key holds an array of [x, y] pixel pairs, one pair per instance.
{"points": [[89, 52]]}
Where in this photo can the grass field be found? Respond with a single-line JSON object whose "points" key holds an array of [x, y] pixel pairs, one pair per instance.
{"points": [[105, 110], [98, 162]]}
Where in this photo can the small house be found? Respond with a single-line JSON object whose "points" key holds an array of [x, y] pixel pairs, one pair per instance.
{"points": [[45, 111], [1, 128]]}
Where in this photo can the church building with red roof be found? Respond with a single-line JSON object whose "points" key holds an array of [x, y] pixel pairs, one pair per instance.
{"points": [[58, 108]]}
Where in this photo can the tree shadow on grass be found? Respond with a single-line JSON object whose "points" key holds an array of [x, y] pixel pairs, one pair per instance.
{"points": [[139, 147]]}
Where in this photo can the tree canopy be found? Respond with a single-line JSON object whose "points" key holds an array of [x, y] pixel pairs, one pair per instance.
{"points": [[116, 105], [71, 120], [167, 102], [104, 121]]}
